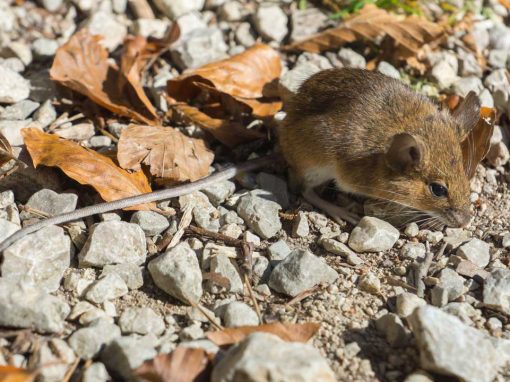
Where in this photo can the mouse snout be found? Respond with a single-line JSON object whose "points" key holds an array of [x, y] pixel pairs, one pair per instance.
{"points": [[458, 218]]}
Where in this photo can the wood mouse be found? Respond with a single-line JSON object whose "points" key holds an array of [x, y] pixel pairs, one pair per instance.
{"points": [[376, 137]]}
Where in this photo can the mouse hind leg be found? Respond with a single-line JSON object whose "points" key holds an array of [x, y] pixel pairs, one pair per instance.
{"points": [[314, 177]]}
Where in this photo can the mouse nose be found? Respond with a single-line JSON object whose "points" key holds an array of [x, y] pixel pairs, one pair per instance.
{"points": [[462, 218]]}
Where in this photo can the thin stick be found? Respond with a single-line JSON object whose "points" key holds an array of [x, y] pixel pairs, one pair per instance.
{"points": [[141, 9], [252, 297], [71, 370], [214, 235], [206, 315], [305, 294]]}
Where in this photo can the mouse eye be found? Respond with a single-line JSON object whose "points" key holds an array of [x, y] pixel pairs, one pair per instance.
{"points": [[438, 190]]}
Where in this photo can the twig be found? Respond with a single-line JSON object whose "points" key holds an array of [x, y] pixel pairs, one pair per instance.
{"points": [[305, 294], [252, 297], [206, 315], [286, 215], [214, 235], [141, 9], [423, 269], [397, 282], [71, 370], [169, 240]]}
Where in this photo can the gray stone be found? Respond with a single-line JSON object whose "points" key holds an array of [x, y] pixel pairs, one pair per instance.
{"points": [[199, 47], [486, 99], [271, 22], [393, 329], [231, 230], [443, 74], [373, 235], [108, 287], [114, 242], [88, 342], [151, 27], [141, 320], [44, 47], [452, 283], [338, 248], [13, 87], [351, 59], [468, 65], [6, 199], [306, 22], [222, 265], [412, 230], [413, 251], [389, 70], [129, 272], [291, 80], [276, 186], [476, 251], [497, 83], [496, 290], [124, 354], [52, 203], [192, 332], [13, 63], [18, 49], [219, 192], [237, 314], [370, 283], [26, 306], [11, 130], [300, 227], [497, 58], [467, 84], [99, 141], [105, 24], [262, 268], [95, 373], [264, 357], [178, 273], [260, 214], [505, 240], [204, 214], [150, 222], [455, 237], [19, 111], [462, 310], [500, 37], [498, 154], [7, 229], [78, 132], [207, 345], [244, 35], [40, 258], [449, 347], [233, 11], [52, 5], [299, 271], [407, 303], [176, 8], [278, 250]]}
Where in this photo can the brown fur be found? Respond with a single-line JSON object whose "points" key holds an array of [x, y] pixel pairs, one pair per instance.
{"points": [[347, 118]]}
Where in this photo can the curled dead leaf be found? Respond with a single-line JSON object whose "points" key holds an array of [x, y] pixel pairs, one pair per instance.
{"points": [[370, 23], [86, 167], [244, 75], [81, 64], [286, 331], [230, 133], [182, 365], [169, 153]]}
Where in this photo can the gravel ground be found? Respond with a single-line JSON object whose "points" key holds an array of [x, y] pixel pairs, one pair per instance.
{"points": [[101, 291]]}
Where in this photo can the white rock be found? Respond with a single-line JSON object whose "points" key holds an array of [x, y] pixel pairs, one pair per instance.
{"points": [[237, 314], [476, 251], [450, 347], [88, 342], [106, 25], [108, 287], [264, 357], [373, 235], [271, 22], [40, 258], [496, 290], [141, 320], [176, 8], [13, 87]]}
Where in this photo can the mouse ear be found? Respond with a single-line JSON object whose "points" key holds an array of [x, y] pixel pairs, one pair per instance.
{"points": [[406, 152], [467, 114]]}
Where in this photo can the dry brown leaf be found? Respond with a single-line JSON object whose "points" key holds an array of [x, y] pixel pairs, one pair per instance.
{"points": [[230, 133], [86, 167], [81, 65], [287, 332], [505, 3], [410, 32], [169, 153], [15, 374], [182, 365], [244, 75], [478, 142]]}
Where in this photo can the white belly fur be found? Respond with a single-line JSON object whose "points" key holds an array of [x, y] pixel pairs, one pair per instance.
{"points": [[319, 175]]}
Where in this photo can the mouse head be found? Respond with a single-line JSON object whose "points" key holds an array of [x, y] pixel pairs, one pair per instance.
{"points": [[426, 168]]}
